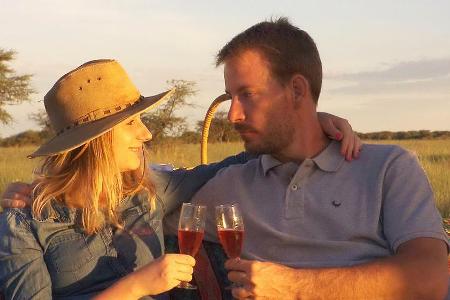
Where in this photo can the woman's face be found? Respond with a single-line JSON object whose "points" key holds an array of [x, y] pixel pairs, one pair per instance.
{"points": [[128, 140]]}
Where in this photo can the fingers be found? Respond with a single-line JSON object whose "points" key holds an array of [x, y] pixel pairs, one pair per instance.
{"points": [[183, 259], [345, 144], [20, 187], [350, 147], [357, 147], [238, 264], [241, 293], [185, 269], [184, 266], [16, 195], [12, 203], [180, 276], [331, 130], [14, 200], [240, 278]]}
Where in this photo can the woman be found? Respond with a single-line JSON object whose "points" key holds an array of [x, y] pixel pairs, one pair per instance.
{"points": [[94, 227]]}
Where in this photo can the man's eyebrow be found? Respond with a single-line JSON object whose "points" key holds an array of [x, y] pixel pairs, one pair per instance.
{"points": [[239, 90]]}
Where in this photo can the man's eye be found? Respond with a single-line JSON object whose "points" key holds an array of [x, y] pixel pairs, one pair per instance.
{"points": [[247, 94], [131, 122]]}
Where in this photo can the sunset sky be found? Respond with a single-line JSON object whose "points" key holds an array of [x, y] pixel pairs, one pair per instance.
{"points": [[386, 63]]}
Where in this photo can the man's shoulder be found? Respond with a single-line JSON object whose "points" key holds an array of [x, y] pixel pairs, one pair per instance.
{"points": [[385, 152], [234, 175], [250, 167]]}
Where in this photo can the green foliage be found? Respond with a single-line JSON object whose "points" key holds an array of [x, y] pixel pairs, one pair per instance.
{"points": [[163, 121], [221, 130], [14, 89], [41, 119], [190, 137], [405, 135], [29, 137]]}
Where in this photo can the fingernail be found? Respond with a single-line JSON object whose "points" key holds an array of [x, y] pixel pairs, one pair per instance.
{"points": [[338, 136]]}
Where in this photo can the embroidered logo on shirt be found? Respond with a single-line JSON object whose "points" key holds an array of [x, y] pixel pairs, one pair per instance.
{"points": [[336, 204]]}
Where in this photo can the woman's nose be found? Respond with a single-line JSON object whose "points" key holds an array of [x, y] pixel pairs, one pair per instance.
{"points": [[144, 133]]}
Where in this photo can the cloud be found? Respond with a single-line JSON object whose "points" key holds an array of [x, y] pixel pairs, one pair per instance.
{"points": [[405, 78], [403, 71]]}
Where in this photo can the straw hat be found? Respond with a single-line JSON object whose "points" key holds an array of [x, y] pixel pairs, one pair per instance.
{"points": [[89, 101]]}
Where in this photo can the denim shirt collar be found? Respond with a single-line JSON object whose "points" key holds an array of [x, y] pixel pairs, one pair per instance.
{"points": [[59, 212]]}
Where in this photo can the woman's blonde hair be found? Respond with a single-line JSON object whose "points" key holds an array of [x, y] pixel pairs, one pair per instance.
{"points": [[91, 174]]}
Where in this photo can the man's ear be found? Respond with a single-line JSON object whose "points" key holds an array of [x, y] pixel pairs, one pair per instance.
{"points": [[300, 87]]}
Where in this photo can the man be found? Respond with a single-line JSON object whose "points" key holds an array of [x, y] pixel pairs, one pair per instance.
{"points": [[317, 227]]}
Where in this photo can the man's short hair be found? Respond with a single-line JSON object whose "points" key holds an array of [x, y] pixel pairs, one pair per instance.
{"points": [[288, 49]]}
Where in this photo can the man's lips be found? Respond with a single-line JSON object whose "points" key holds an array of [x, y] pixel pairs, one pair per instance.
{"points": [[244, 129]]}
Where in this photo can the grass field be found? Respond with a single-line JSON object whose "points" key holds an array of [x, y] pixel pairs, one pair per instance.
{"points": [[434, 156]]}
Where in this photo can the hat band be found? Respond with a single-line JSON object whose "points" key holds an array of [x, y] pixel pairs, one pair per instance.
{"points": [[99, 114]]}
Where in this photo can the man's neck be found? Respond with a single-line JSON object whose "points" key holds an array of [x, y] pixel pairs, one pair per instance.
{"points": [[308, 141]]}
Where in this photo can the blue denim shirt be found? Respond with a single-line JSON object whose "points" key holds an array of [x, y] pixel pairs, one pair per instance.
{"points": [[54, 258]]}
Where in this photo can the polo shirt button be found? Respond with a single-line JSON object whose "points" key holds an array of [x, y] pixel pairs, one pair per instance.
{"points": [[294, 187]]}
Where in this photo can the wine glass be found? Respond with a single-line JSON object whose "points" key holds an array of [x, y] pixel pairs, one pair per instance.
{"points": [[230, 229], [191, 229]]}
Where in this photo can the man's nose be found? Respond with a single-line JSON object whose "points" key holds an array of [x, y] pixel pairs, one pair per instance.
{"points": [[236, 112]]}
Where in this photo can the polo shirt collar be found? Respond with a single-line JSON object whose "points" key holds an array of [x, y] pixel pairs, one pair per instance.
{"points": [[268, 162], [329, 160]]}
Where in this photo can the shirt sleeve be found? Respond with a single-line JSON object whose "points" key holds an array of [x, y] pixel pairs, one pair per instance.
{"points": [[23, 272], [192, 182], [178, 186], [409, 209], [213, 193]]}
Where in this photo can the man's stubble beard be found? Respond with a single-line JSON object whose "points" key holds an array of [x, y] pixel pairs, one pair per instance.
{"points": [[277, 137]]}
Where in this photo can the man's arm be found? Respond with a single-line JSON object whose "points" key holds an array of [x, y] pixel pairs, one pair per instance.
{"points": [[417, 271]]}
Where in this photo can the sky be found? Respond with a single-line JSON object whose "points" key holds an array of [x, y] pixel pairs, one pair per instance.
{"points": [[386, 63]]}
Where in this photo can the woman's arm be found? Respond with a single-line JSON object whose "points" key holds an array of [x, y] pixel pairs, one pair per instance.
{"points": [[175, 187], [178, 186], [157, 277], [23, 272]]}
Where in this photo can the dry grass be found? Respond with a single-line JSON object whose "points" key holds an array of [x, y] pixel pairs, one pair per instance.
{"points": [[434, 156]]}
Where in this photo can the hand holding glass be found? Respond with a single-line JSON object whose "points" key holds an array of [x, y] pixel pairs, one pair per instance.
{"points": [[191, 228], [230, 229]]}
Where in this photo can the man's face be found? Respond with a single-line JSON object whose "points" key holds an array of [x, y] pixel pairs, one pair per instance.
{"points": [[261, 108]]}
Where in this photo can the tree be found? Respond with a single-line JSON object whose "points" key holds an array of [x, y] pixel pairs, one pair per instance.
{"points": [[14, 89], [163, 121], [221, 130], [190, 137], [41, 119], [29, 137]]}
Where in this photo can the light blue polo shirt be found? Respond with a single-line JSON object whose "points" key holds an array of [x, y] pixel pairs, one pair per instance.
{"points": [[327, 212]]}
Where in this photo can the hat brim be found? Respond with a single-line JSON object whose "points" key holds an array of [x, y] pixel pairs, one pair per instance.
{"points": [[77, 136]]}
